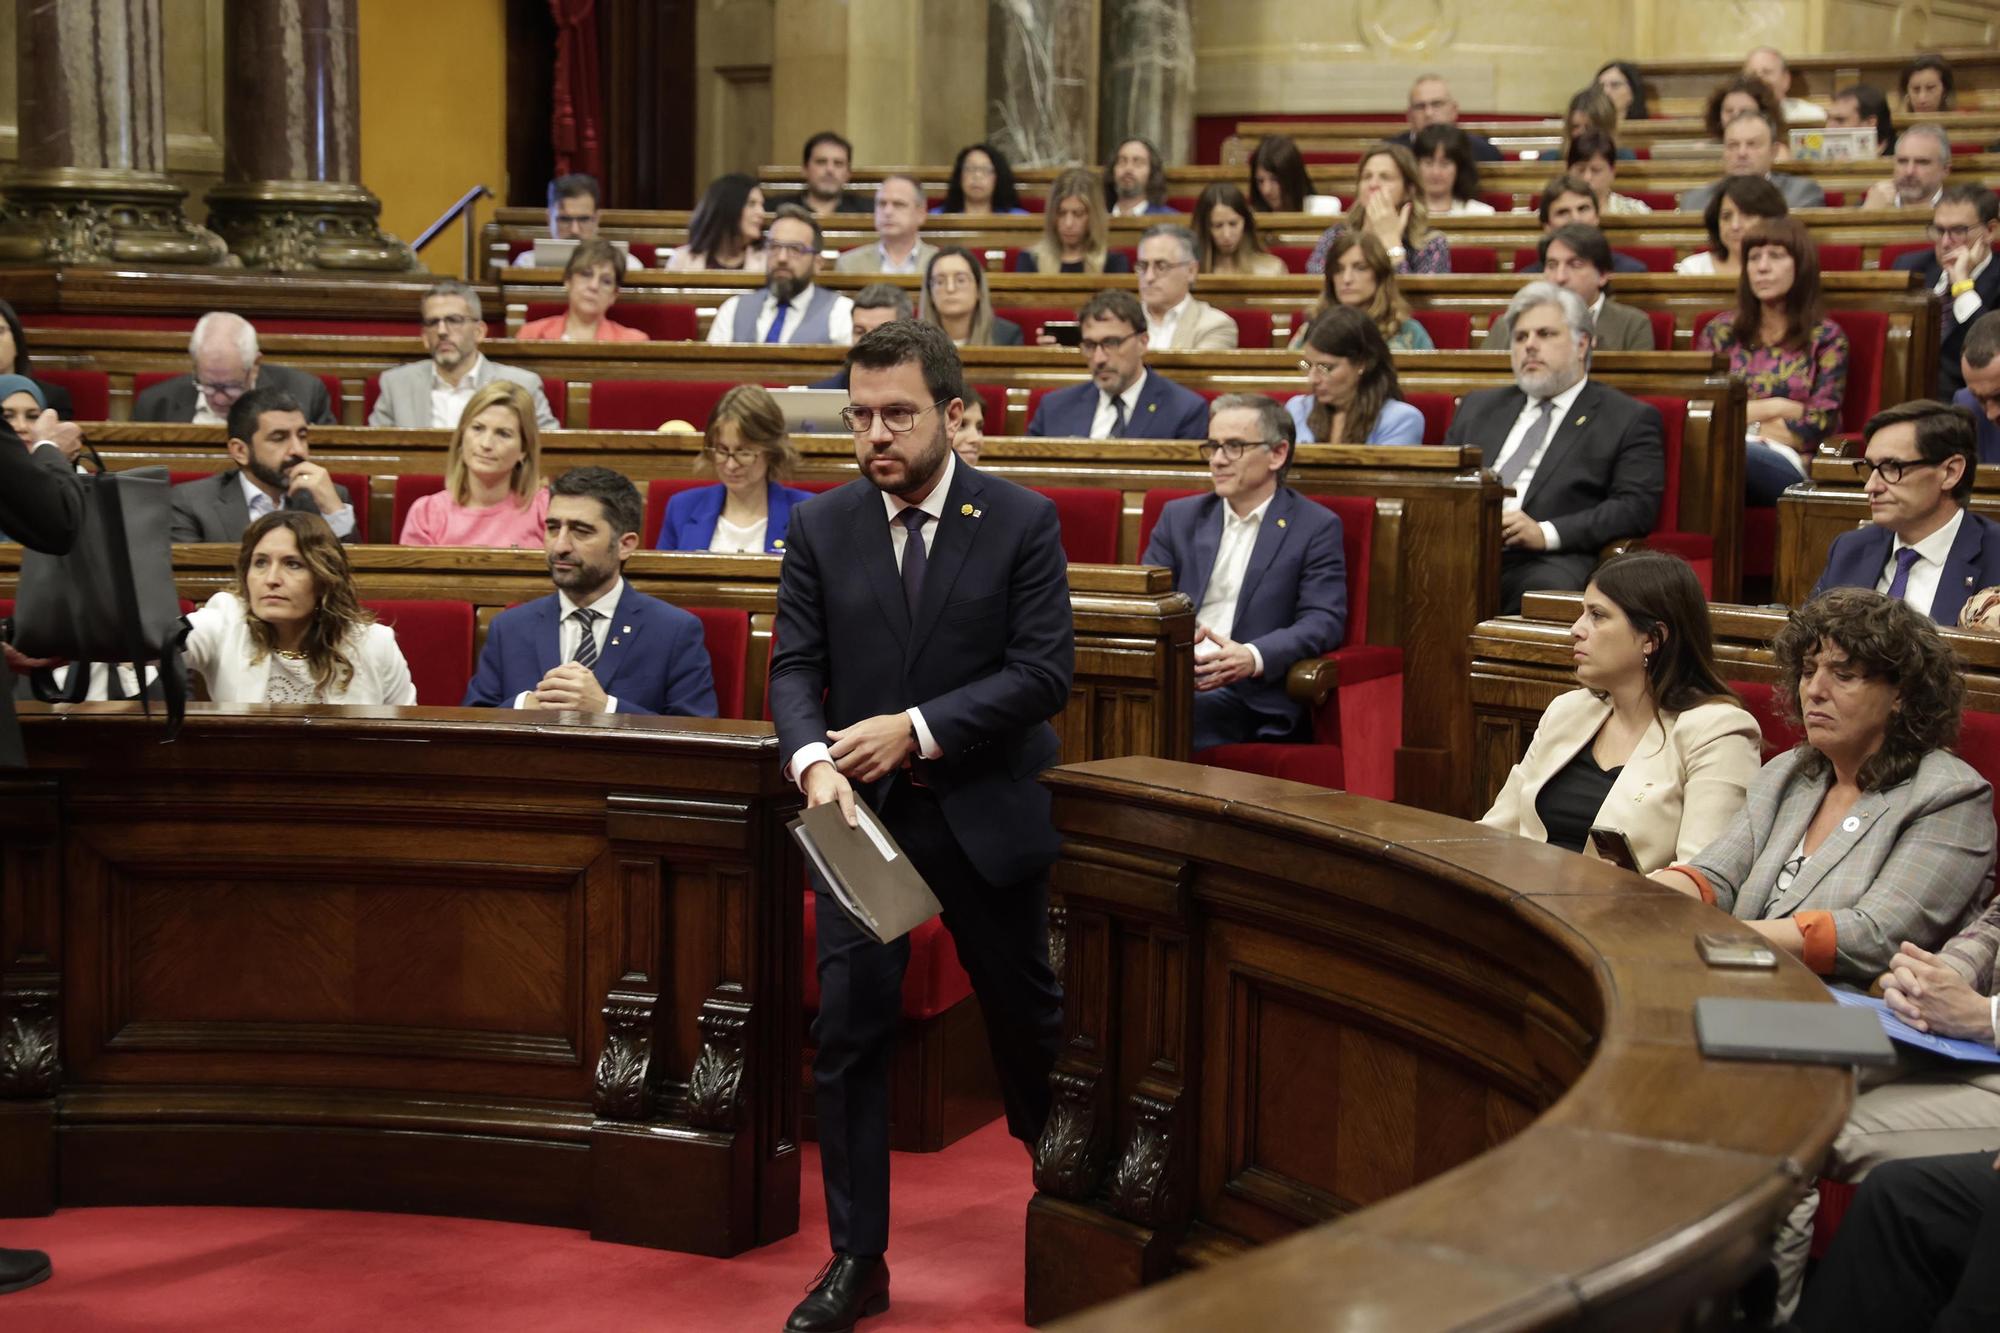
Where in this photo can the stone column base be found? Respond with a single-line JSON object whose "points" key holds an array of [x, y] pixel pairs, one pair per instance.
{"points": [[81, 215], [291, 226]]}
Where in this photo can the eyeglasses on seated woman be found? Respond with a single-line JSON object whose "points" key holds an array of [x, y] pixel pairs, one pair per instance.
{"points": [[747, 448]]}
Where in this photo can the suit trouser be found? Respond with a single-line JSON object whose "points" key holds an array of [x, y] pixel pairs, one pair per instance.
{"points": [[1542, 571], [1920, 1249], [1002, 936]]}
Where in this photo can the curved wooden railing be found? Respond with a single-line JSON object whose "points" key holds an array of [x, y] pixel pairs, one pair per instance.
{"points": [[1361, 1066]]}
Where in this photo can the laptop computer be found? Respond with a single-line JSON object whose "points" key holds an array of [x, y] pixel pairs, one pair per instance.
{"points": [[811, 411], [551, 253]]}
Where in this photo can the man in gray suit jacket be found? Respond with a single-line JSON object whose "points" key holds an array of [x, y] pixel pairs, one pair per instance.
{"points": [[1750, 148], [1577, 258], [274, 470], [430, 395], [227, 364]]}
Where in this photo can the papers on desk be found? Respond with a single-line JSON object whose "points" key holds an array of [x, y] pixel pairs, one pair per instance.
{"points": [[865, 870], [1952, 1048]]}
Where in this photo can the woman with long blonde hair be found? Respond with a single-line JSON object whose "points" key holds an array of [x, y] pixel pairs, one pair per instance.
{"points": [[493, 493], [1074, 230]]}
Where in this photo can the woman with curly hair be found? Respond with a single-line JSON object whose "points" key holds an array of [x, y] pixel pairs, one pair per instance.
{"points": [[1869, 832], [293, 632], [1359, 275], [1741, 96]]}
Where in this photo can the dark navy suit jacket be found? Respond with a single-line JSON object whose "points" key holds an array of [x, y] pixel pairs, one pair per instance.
{"points": [[1989, 434], [1165, 411], [1293, 603], [1856, 560], [988, 658], [655, 659], [1951, 346], [692, 515]]}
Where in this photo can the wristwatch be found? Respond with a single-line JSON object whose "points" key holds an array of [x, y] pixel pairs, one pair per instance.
{"points": [[1397, 252]]}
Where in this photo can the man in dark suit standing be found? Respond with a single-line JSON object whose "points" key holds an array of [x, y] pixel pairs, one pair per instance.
{"points": [[269, 441], [596, 644], [925, 638], [1959, 267], [227, 365], [1123, 400], [1923, 547], [41, 506], [1585, 461], [1264, 568]]}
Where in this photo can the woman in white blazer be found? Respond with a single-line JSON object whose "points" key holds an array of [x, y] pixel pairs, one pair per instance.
{"points": [[1654, 744], [293, 632]]}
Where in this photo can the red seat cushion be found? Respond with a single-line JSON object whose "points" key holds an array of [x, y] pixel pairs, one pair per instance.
{"points": [[1867, 344], [1836, 258], [658, 491], [725, 632], [436, 639], [1089, 517], [1979, 746], [1656, 258], [1450, 330], [1316, 765], [1253, 327], [1660, 201], [1762, 701], [410, 488], [1673, 424], [89, 392], [1474, 259], [1663, 329], [1437, 409], [1295, 256], [659, 320], [932, 983], [1891, 253], [646, 404]]}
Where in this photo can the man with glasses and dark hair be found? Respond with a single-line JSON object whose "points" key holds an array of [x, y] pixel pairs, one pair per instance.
{"points": [[1924, 547], [791, 308], [432, 394], [1175, 320], [1122, 400], [573, 205], [924, 640], [1264, 568], [1959, 267], [226, 364]]}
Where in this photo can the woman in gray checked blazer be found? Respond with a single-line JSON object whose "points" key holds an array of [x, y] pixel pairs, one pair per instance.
{"points": [[1871, 832]]}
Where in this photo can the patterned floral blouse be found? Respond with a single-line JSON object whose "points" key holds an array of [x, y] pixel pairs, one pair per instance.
{"points": [[1433, 256], [1815, 374]]}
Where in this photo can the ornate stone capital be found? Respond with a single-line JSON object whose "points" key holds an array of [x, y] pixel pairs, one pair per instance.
{"points": [[80, 215], [303, 226]]}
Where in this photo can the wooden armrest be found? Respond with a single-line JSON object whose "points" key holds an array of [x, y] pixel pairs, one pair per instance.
{"points": [[1312, 680]]}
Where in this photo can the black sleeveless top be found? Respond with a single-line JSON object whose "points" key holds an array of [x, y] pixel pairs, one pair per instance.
{"points": [[1568, 802]]}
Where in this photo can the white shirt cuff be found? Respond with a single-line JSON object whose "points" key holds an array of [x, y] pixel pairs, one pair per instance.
{"points": [[521, 699], [1965, 307], [610, 703], [1550, 538], [1995, 1003], [813, 752], [341, 520], [927, 745], [1257, 658]]}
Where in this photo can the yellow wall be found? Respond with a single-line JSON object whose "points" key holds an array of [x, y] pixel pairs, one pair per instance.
{"points": [[433, 113]]}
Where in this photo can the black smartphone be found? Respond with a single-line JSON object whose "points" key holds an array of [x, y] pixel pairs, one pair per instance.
{"points": [[1612, 845], [1066, 332], [1735, 951]]}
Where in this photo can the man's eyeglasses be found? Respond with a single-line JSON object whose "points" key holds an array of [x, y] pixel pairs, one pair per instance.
{"points": [[222, 390], [1231, 450], [740, 457], [452, 322], [899, 420], [1146, 266], [1088, 346], [1892, 469], [793, 248], [1956, 235]]}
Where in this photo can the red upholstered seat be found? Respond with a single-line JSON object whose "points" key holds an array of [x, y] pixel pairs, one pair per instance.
{"points": [[89, 391], [1660, 201], [659, 320], [1663, 329], [1450, 330], [1474, 259], [1089, 516], [1656, 258], [1867, 346], [1182, 203], [556, 391], [1031, 319], [725, 633], [1838, 258], [1295, 256], [1891, 253], [1253, 327], [1357, 731], [410, 488], [436, 639], [1499, 203], [933, 983], [146, 379], [646, 404], [1697, 548], [660, 490], [1437, 409], [1761, 699]]}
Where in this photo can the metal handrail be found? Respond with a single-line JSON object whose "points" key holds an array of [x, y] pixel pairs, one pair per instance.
{"points": [[450, 215]]}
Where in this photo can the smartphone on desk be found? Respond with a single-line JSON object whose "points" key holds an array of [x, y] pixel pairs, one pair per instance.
{"points": [[1612, 845], [1066, 332], [1735, 951]]}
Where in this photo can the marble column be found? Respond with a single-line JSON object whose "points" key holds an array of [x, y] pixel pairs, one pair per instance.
{"points": [[91, 185], [1041, 79], [1146, 77], [291, 196]]}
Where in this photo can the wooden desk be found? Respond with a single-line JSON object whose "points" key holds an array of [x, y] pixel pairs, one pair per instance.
{"points": [[1363, 1067], [404, 959]]}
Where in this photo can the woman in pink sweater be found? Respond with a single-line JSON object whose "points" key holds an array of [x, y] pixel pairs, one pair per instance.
{"points": [[493, 494], [591, 281]]}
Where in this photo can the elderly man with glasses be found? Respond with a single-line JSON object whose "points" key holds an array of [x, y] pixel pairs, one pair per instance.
{"points": [[432, 394], [226, 364], [1122, 400], [1175, 320], [791, 308]]}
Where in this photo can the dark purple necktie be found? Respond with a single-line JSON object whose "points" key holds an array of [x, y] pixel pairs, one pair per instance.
{"points": [[1899, 586], [914, 558]]}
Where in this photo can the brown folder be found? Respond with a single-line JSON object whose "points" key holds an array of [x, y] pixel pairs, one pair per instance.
{"points": [[866, 871]]}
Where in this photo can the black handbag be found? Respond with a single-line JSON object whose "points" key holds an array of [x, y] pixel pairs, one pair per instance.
{"points": [[112, 597]]}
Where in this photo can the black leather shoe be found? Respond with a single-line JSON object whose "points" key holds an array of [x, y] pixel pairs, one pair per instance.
{"points": [[847, 1290], [24, 1268]]}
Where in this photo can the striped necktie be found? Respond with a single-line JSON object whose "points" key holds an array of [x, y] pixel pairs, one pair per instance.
{"points": [[586, 643]]}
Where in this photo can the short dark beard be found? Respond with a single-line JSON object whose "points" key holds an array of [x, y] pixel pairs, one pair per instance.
{"points": [[590, 579], [276, 478], [785, 287], [916, 480]]}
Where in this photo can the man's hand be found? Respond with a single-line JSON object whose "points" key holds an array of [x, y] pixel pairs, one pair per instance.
{"points": [[64, 435], [21, 665], [823, 783], [872, 748], [1882, 194], [1931, 997], [1518, 530], [572, 686], [312, 479], [1230, 663], [1969, 257]]}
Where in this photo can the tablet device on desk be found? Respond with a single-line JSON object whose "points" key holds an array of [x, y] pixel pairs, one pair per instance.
{"points": [[551, 253], [812, 411], [1787, 1030]]}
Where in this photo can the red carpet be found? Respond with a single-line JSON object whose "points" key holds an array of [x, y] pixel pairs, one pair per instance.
{"points": [[955, 1252]]}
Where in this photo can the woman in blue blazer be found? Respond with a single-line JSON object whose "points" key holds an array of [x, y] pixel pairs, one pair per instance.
{"points": [[746, 446], [1354, 397]]}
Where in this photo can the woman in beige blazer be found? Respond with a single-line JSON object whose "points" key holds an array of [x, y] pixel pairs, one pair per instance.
{"points": [[1653, 744]]}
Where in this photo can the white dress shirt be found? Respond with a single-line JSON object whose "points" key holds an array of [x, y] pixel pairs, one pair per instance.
{"points": [[1217, 612], [204, 415], [1928, 570], [569, 634], [1107, 415], [1160, 332], [839, 320], [1965, 308], [340, 520], [448, 400], [813, 752], [1564, 401]]}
